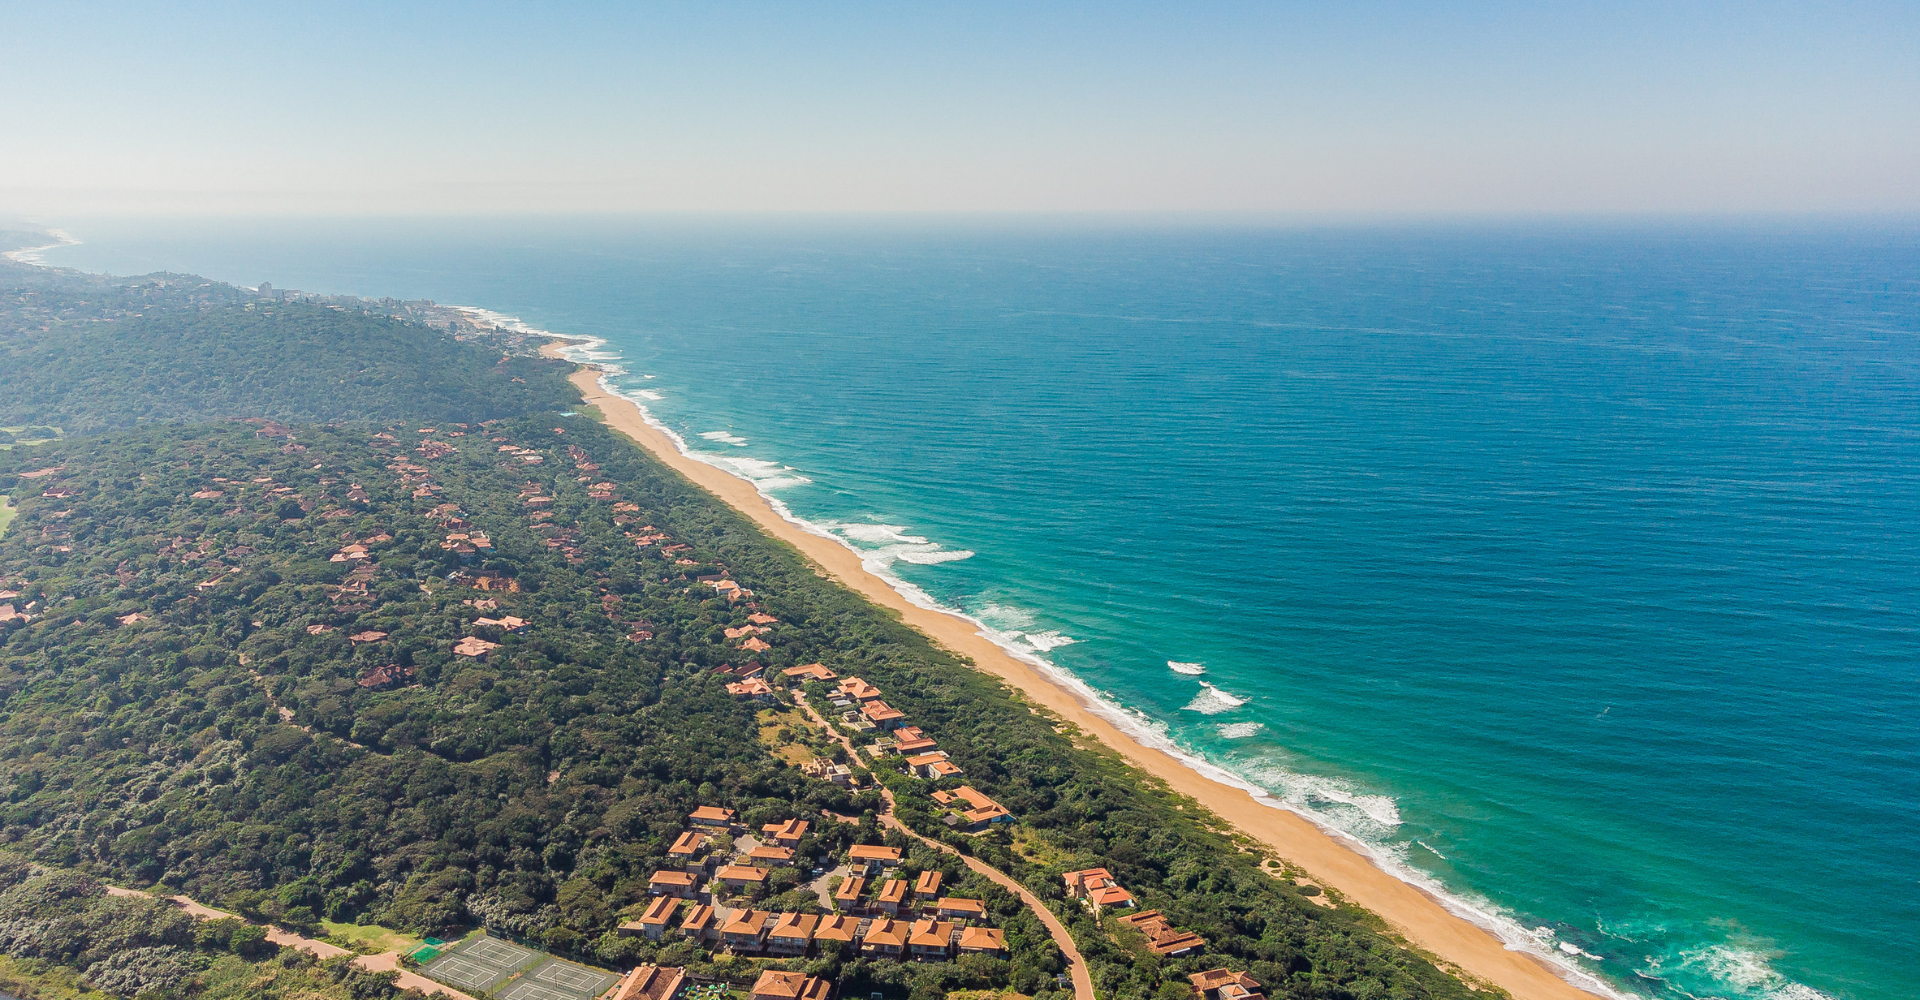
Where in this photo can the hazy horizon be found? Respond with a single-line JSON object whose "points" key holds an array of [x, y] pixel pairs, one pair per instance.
{"points": [[1388, 110]]}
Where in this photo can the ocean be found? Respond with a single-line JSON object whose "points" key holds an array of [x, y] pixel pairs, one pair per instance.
{"points": [[1571, 569]]}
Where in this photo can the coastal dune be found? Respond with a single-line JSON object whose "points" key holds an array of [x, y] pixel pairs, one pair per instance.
{"points": [[1413, 914]]}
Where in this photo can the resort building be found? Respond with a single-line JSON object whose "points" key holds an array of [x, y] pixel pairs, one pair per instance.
{"points": [[1098, 887], [810, 672], [741, 876], [701, 923], [774, 985], [856, 689], [753, 687], [927, 886], [669, 882], [910, 740], [983, 941], [474, 647], [883, 715], [933, 766], [1162, 937], [892, 898], [960, 908], [711, 816], [786, 834], [835, 934], [744, 929], [885, 938], [1225, 984], [931, 939], [827, 770], [770, 856], [653, 923], [690, 850], [792, 934], [873, 856], [973, 811], [649, 982], [846, 899]]}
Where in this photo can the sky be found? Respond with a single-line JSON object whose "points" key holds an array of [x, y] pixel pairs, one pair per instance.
{"points": [[348, 108]]}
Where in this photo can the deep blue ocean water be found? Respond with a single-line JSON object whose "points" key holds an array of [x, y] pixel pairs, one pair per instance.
{"points": [[1572, 568]]}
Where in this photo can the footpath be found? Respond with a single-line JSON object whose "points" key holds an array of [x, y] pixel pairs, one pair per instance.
{"points": [[384, 962], [1082, 981]]}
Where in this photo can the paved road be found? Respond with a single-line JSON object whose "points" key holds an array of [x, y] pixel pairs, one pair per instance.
{"points": [[1082, 982]]}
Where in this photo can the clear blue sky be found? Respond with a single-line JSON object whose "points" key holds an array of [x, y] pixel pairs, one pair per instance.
{"points": [[1212, 107]]}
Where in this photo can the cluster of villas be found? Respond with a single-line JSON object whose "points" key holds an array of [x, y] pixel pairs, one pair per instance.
{"points": [[874, 914], [1099, 891]]}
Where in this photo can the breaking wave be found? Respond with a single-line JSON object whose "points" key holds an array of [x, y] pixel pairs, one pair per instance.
{"points": [[1190, 669], [1213, 701]]}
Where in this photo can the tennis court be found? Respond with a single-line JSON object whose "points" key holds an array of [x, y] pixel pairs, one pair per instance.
{"points": [[559, 980], [479, 965]]}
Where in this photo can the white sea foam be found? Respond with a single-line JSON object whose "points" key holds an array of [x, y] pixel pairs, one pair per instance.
{"points": [[1154, 733], [724, 437], [1747, 968], [1190, 669], [1240, 730], [1212, 701], [34, 256], [1049, 640], [649, 394]]}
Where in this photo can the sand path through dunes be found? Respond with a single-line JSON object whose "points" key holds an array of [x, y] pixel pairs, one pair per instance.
{"points": [[1412, 913], [384, 962]]}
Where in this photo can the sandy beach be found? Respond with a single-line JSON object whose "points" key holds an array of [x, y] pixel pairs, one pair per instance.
{"points": [[1419, 918]]}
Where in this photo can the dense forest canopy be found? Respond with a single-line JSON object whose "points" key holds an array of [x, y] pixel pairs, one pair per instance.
{"points": [[234, 674], [86, 354]]}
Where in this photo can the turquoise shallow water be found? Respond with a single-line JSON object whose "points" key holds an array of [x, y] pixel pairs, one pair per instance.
{"points": [[1571, 569]]}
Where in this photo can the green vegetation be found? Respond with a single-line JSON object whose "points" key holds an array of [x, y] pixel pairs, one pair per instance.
{"points": [[86, 355], [202, 701], [62, 936]]}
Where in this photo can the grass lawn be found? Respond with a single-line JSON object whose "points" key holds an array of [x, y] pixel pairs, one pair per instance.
{"points": [[369, 939]]}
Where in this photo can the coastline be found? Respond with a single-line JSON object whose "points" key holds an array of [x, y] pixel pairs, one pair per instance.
{"points": [[1414, 914]]}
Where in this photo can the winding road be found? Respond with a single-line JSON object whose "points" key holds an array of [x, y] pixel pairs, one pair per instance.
{"points": [[1077, 966]]}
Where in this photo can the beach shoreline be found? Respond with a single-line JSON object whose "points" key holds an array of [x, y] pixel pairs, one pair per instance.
{"points": [[1417, 916]]}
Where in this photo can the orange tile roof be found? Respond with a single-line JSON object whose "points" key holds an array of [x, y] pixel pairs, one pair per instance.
{"points": [[660, 911], [887, 931], [711, 814], [931, 934], [983, 939], [741, 873], [650, 982], [794, 927], [893, 891], [961, 906], [872, 852], [667, 876], [689, 843], [836, 927], [850, 889], [928, 883], [792, 829], [746, 922]]}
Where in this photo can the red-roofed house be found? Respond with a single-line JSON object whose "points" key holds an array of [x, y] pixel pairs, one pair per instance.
{"points": [[775, 985], [1225, 984], [786, 834], [983, 941], [1162, 937], [649, 982]]}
